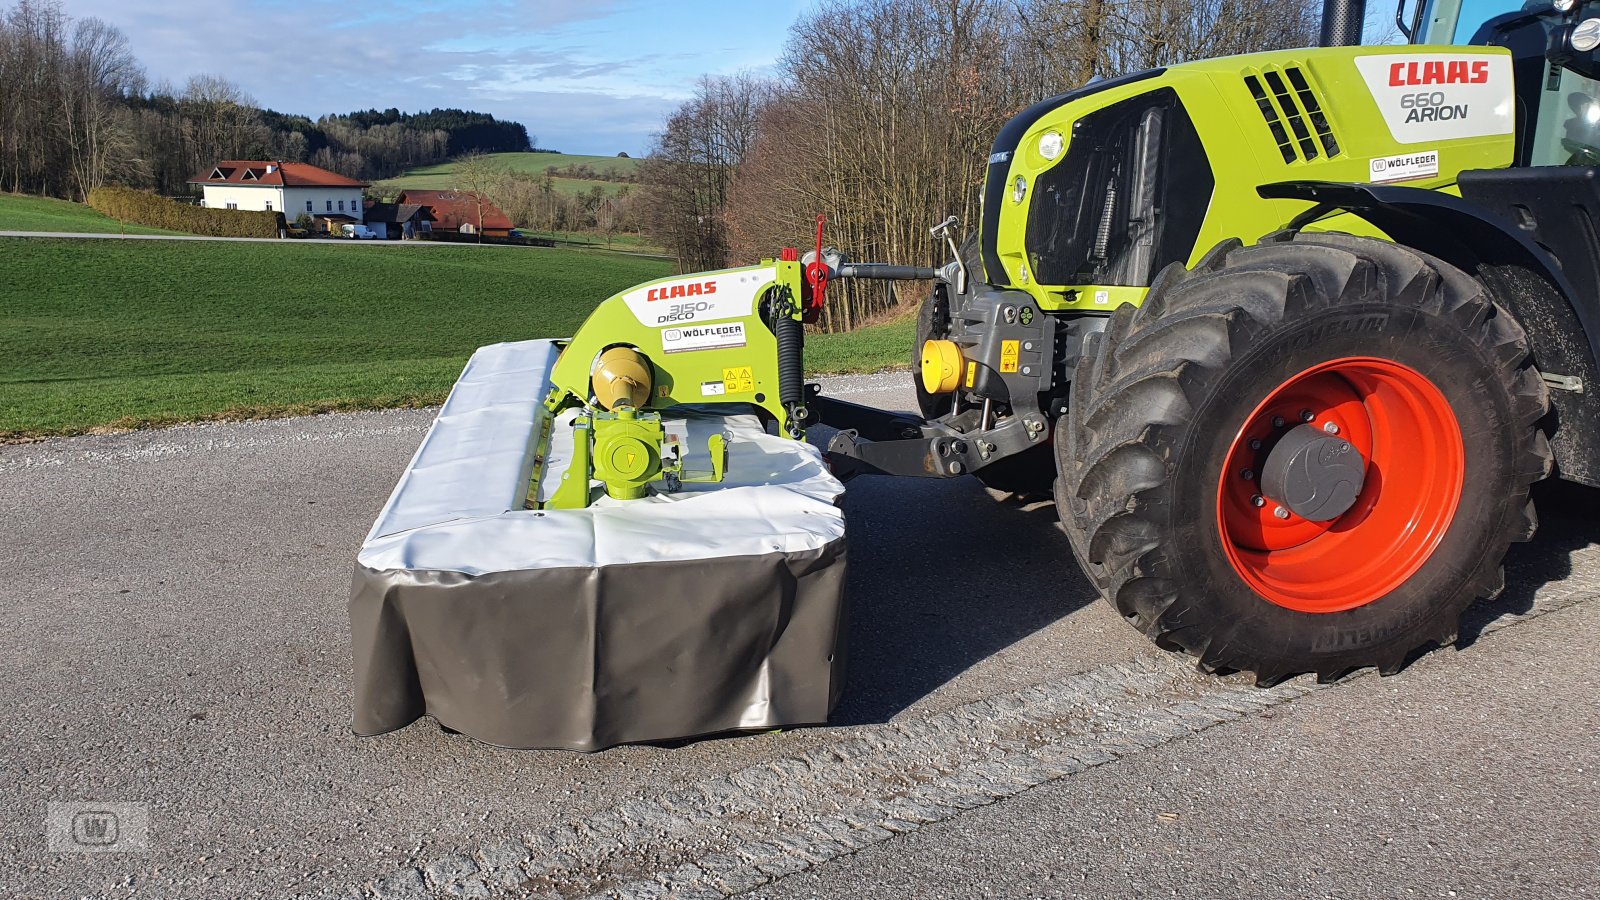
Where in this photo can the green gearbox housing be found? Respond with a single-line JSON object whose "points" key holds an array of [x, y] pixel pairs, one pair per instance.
{"points": [[628, 450]]}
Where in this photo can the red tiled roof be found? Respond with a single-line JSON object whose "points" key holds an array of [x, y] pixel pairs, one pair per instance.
{"points": [[452, 209], [272, 174]]}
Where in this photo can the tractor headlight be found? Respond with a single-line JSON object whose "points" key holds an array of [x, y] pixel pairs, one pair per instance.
{"points": [[1586, 35], [1050, 145], [1019, 189]]}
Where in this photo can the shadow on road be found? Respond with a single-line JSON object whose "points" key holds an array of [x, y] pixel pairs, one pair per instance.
{"points": [[1567, 523], [943, 576]]}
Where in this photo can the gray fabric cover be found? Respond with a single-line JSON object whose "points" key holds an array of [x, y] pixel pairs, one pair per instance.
{"points": [[584, 629], [583, 659]]}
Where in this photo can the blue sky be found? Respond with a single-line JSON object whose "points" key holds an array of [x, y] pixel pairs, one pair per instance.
{"points": [[585, 76]]}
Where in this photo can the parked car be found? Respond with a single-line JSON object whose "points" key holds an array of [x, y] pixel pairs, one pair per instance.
{"points": [[359, 231], [295, 231]]}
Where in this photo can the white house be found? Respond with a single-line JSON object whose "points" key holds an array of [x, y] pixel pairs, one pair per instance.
{"points": [[291, 188]]}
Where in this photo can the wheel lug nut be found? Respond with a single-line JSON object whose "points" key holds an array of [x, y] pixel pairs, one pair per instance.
{"points": [[1307, 415], [1247, 475], [1281, 513], [1330, 428], [1255, 444], [1277, 421], [1258, 500]]}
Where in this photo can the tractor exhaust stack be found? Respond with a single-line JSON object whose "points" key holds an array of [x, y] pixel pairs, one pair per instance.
{"points": [[1342, 21]]}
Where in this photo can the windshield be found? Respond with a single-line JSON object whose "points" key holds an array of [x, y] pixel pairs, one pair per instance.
{"points": [[1559, 110], [1476, 12], [1458, 21]]}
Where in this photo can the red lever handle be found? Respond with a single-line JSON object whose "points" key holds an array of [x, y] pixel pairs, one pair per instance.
{"points": [[817, 277]]}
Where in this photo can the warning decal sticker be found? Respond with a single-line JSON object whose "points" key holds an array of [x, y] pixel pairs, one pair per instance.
{"points": [[1427, 97], [738, 380], [1008, 356]]}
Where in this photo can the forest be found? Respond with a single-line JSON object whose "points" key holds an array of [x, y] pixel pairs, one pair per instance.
{"points": [[77, 112], [882, 112]]}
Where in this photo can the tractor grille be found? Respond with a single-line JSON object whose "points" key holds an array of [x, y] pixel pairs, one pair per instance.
{"points": [[1293, 113]]}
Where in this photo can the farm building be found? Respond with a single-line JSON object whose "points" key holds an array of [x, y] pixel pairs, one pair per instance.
{"points": [[402, 220], [459, 211], [291, 188]]}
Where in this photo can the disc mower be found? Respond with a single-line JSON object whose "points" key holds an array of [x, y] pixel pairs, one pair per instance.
{"points": [[1289, 335]]}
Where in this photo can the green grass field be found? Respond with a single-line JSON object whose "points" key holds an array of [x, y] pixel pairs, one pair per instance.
{"points": [[443, 176], [20, 212], [124, 334]]}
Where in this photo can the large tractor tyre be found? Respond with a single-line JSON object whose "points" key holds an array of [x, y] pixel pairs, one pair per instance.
{"points": [[1308, 455]]}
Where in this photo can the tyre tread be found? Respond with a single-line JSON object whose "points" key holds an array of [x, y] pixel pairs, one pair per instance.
{"points": [[1136, 389]]}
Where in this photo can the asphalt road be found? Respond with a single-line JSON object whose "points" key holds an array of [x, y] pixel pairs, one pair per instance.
{"points": [[176, 636]]}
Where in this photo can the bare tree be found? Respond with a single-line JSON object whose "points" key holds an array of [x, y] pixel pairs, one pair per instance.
{"points": [[691, 168], [222, 120], [101, 73], [478, 173]]}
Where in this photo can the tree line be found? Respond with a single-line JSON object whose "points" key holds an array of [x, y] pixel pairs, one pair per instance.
{"points": [[77, 112], [882, 112]]}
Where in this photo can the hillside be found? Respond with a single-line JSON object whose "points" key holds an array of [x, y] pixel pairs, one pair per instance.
{"points": [[19, 212], [444, 176]]}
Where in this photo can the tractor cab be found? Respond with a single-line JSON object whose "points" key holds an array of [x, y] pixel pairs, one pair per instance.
{"points": [[1553, 48]]}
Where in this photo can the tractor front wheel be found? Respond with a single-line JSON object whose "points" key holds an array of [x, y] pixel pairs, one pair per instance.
{"points": [[1307, 455]]}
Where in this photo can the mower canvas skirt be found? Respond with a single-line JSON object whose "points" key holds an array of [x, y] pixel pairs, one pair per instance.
{"points": [[713, 609]]}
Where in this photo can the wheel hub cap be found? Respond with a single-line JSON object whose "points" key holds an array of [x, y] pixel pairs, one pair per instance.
{"points": [[1317, 476]]}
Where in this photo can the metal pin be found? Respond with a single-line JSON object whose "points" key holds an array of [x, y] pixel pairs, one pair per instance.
{"points": [[1277, 421], [1307, 415], [1281, 513], [1255, 444], [1258, 500], [1247, 474], [1330, 428]]}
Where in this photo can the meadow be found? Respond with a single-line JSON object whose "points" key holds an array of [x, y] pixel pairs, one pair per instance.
{"points": [[19, 212], [444, 175], [124, 334]]}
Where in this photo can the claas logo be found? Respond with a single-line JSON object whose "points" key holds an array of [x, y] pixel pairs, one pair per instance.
{"points": [[1457, 71], [681, 289]]}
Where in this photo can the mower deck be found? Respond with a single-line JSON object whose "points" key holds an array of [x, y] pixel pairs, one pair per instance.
{"points": [[718, 607]]}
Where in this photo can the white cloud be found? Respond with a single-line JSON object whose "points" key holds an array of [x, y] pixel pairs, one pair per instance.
{"points": [[583, 75]]}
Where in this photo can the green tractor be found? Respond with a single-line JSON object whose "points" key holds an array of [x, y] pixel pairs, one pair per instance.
{"points": [[1290, 334]]}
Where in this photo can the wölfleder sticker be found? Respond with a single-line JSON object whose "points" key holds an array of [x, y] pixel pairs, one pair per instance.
{"points": [[1405, 167], [702, 337]]}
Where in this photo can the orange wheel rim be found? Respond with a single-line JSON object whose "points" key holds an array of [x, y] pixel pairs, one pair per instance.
{"points": [[1407, 434]]}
